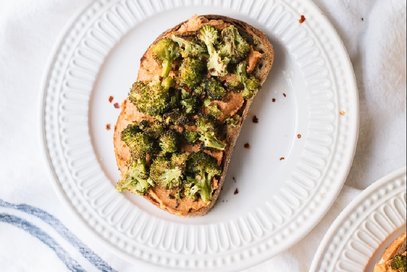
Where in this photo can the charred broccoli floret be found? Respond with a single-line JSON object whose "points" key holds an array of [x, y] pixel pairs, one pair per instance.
{"points": [[136, 178], [207, 134], [190, 105], [189, 102], [251, 84], [152, 97], [214, 89], [399, 262], [175, 117], [179, 160], [139, 142], [191, 136], [191, 72], [165, 52], [234, 47], [163, 172], [199, 90], [190, 48], [202, 168], [154, 129], [169, 142], [216, 65], [212, 109]]}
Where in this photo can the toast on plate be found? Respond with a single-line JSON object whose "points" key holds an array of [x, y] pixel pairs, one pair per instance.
{"points": [[394, 258], [175, 135]]}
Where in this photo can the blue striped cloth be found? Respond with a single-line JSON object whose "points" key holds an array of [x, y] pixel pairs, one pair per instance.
{"points": [[52, 233]]}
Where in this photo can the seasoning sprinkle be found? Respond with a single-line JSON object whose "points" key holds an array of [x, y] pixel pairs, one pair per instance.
{"points": [[255, 119]]}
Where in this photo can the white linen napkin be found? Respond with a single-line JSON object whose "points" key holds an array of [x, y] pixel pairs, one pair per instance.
{"points": [[374, 33]]}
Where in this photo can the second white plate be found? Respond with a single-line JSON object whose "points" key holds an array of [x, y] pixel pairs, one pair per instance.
{"points": [[359, 236], [300, 151]]}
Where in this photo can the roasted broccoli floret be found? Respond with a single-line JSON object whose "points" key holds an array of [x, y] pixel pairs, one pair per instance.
{"points": [[169, 142], [179, 160], [399, 262], [251, 87], [199, 90], [212, 109], [189, 189], [251, 84], [175, 117], [202, 168], [190, 105], [233, 122], [208, 134], [152, 97], [214, 89], [190, 48], [154, 129], [233, 47], [165, 52], [136, 178], [163, 172], [233, 82], [189, 102], [216, 65], [139, 142], [191, 136], [191, 72]]}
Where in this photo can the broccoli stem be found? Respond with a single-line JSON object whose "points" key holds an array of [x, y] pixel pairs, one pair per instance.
{"points": [[167, 64]]}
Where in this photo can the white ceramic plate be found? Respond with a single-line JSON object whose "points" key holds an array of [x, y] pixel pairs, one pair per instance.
{"points": [[365, 228], [280, 200]]}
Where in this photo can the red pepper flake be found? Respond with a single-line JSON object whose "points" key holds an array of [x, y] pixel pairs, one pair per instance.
{"points": [[284, 95], [302, 19], [246, 145], [282, 158], [236, 191], [110, 99], [255, 119], [342, 113], [116, 105], [108, 126], [273, 100], [299, 136]]}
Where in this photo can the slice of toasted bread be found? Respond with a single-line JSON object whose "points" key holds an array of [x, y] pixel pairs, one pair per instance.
{"points": [[398, 247], [150, 69]]}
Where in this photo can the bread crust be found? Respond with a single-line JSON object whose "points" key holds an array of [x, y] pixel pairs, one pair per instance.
{"points": [[148, 70]]}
